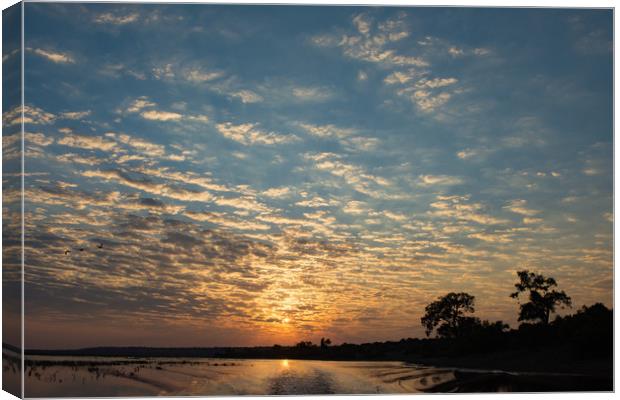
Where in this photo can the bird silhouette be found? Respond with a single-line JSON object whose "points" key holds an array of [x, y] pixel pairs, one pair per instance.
{"points": [[100, 246], [67, 252], [81, 249]]}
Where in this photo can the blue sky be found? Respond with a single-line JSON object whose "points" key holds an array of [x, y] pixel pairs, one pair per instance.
{"points": [[271, 174]]}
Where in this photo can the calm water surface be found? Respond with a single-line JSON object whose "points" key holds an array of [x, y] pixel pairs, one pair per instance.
{"points": [[81, 376]]}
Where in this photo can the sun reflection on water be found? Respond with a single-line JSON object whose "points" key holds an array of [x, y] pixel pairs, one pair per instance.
{"points": [[284, 363]]}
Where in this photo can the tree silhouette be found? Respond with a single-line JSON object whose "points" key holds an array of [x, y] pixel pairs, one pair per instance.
{"points": [[325, 342], [543, 299], [446, 314]]}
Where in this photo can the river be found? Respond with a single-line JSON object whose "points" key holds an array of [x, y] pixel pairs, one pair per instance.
{"points": [[97, 376]]}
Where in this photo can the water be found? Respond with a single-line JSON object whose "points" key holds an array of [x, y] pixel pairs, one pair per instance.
{"points": [[98, 376]]}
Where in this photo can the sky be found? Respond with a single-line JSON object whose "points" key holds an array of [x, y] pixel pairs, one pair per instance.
{"points": [[252, 175]]}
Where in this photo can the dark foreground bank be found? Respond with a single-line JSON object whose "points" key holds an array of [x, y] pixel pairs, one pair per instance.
{"points": [[491, 382]]}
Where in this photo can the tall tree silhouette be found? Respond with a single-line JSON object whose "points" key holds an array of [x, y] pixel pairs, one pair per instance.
{"points": [[447, 314], [543, 298]]}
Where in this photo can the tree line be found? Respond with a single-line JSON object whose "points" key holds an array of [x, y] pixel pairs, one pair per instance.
{"points": [[446, 316]]}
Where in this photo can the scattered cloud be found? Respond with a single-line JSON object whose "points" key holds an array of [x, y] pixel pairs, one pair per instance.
{"points": [[155, 115], [87, 142], [247, 96], [248, 134], [140, 103], [75, 115], [53, 56], [355, 207], [277, 192], [520, 207], [199, 76], [327, 131], [310, 93], [439, 180], [116, 19], [365, 46]]}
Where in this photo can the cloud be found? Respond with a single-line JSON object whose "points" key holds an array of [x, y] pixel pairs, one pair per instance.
{"points": [[143, 146], [163, 72], [53, 56], [118, 70], [155, 115], [221, 220], [396, 28], [140, 103], [520, 207], [362, 23], [144, 106], [457, 207], [197, 118], [491, 237], [75, 115], [401, 77], [38, 138], [435, 83], [317, 202], [79, 159], [354, 175], [199, 76], [327, 131], [277, 192], [455, 51], [247, 134], [355, 207], [467, 154], [597, 159], [115, 19], [480, 51], [10, 54], [146, 184], [86, 142], [427, 101], [243, 203], [309, 93], [247, 96], [439, 180], [372, 48], [395, 216], [360, 143], [32, 115]]}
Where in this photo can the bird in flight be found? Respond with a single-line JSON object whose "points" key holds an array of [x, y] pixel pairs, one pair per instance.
{"points": [[99, 246]]}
